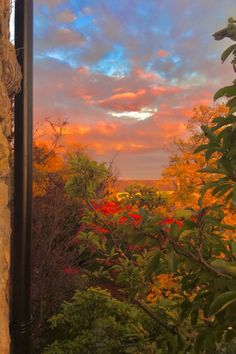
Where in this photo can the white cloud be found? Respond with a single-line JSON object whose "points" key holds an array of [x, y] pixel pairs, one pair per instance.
{"points": [[145, 113]]}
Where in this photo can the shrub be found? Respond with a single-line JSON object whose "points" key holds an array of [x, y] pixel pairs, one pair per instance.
{"points": [[94, 322]]}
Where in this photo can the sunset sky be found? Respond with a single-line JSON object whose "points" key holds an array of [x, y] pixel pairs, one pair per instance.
{"points": [[126, 74]]}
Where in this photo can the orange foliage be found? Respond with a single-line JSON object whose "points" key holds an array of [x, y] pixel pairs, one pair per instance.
{"points": [[164, 285], [183, 174], [45, 163]]}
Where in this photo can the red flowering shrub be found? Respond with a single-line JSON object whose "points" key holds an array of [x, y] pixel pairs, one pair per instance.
{"points": [[171, 221]]}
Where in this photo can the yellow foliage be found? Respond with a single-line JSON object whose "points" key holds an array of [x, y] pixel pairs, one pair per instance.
{"points": [[164, 285], [183, 174]]}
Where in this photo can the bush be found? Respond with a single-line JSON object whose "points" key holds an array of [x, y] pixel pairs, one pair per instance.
{"points": [[94, 322]]}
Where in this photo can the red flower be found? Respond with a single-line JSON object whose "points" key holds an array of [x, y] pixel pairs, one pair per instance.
{"points": [[136, 248], [102, 230], [110, 208], [179, 223], [71, 271], [136, 218], [170, 221], [167, 221], [123, 220]]}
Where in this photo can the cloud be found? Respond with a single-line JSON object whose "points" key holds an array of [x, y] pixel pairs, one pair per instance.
{"points": [[124, 101], [136, 100], [66, 16], [162, 53], [145, 113], [127, 74], [60, 40]]}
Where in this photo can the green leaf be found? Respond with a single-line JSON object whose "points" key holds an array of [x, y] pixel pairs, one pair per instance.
{"points": [[209, 134], [221, 189], [194, 316], [231, 153], [218, 119], [143, 213], [210, 341], [174, 231], [153, 263], [210, 152], [198, 346], [184, 213], [221, 302], [231, 103], [201, 148], [224, 267], [173, 262], [186, 308], [227, 52], [232, 110], [211, 170], [224, 121], [185, 233], [228, 91]]}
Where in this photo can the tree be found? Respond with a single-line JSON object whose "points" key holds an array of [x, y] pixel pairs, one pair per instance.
{"points": [[183, 172], [9, 85]]}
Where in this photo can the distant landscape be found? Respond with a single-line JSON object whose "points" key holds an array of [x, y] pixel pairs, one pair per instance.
{"points": [[122, 184]]}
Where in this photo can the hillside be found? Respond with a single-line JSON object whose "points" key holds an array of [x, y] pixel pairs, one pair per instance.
{"points": [[121, 184]]}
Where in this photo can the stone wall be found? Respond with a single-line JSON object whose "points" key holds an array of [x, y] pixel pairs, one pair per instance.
{"points": [[9, 85]]}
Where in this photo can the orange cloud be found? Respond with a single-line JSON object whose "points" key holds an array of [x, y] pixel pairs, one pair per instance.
{"points": [[124, 101], [106, 128], [162, 53], [82, 93], [125, 95], [147, 75], [136, 100], [160, 90]]}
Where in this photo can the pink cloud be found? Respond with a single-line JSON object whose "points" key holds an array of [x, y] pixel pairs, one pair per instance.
{"points": [[147, 75], [66, 16], [125, 101], [65, 37]]}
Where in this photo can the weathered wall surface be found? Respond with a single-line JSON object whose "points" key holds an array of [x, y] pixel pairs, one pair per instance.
{"points": [[9, 85]]}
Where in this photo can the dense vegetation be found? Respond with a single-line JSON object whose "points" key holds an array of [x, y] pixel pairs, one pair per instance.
{"points": [[154, 271]]}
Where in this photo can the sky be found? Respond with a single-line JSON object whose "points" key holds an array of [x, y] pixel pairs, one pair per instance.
{"points": [[127, 74]]}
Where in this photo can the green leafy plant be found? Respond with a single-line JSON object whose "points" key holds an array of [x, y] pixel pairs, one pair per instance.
{"points": [[94, 322], [222, 135]]}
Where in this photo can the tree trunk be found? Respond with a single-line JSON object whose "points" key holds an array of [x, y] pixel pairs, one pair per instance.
{"points": [[9, 85]]}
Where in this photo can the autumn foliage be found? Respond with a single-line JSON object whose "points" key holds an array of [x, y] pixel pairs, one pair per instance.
{"points": [[163, 259]]}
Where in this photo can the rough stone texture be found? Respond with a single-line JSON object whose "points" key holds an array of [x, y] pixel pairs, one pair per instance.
{"points": [[9, 85]]}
